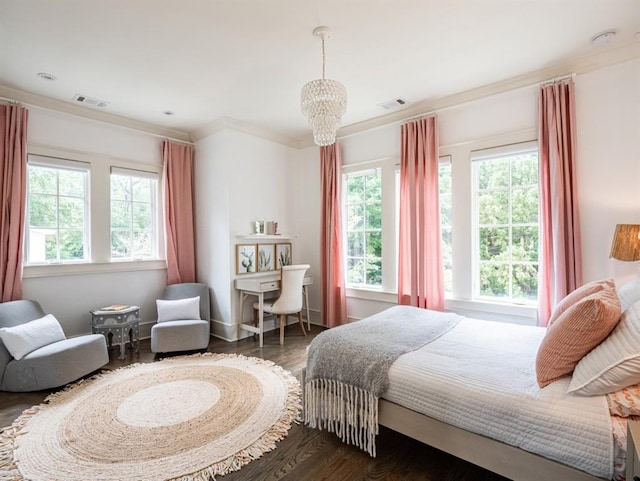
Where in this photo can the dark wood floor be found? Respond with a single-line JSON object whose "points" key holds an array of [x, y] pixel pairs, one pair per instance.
{"points": [[306, 454]]}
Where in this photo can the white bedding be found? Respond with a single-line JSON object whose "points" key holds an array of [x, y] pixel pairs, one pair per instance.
{"points": [[480, 376]]}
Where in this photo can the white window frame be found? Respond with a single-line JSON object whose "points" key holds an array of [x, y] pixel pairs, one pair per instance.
{"points": [[100, 208], [60, 165], [479, 156], [388, 167], [141, 174]]}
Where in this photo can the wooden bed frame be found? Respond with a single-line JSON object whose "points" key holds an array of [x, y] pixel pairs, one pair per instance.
{"points": [[498, 457]]}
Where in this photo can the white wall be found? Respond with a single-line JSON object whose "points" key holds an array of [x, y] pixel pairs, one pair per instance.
{"points": [[608, 122], [240, 178], [70, 297]]}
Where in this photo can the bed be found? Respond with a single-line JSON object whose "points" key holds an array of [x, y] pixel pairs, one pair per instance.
{"points": [[469, 390]]}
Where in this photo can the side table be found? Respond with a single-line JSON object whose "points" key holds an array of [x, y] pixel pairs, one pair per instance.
{"points": [[118, 326], [633, 444]]}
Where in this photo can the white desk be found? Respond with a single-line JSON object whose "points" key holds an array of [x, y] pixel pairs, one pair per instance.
{"points": [[257, 286]]}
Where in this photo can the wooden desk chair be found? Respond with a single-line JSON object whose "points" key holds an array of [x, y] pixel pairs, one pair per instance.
{"points": [[290, 300]]}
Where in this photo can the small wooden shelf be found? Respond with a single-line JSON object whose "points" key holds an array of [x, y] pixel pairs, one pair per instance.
{"points": [[266, 237]]}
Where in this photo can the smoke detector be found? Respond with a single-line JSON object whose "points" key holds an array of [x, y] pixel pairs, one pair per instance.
{"points": [[603, 38], [393, 104], [93, 102]]}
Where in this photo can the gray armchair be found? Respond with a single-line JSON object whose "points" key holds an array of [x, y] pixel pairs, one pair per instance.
{"points": [[183, 334], [50, 366]]}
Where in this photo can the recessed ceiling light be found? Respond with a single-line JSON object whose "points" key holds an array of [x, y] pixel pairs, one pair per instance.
{"points": [[46, 76], [603, 38], [168, 112]]}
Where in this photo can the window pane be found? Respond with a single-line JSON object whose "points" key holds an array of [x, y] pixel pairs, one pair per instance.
{"points": [[374, 271], [493, 174], [494, 207], [42, 180], [43, 210], [525, 281], [355, 189], [355, 217], [120, 243], [524, 206], [374, 216], [142, 246], [71, 244], [120, 187], [141, 216], [445, 209], [374, 244], [141, 189], [525, 244], [72, 183], [494, 243], [71, 212], [447, 243], [448, 277], [120, 214], [494, 280], [355, 271], [524, 169], [355, 244]]}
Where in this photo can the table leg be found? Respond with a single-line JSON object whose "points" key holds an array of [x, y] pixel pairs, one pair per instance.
{"points": [[306, 305], [261, 315], [122, 349]]}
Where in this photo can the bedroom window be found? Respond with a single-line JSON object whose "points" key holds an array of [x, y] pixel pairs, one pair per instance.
{"points": [[133, 214], [505, 223], [57, 211], [363, 228]]}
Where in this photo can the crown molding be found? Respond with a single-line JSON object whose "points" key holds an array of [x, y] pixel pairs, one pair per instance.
{"points": [[48, 103], [579, 65]]}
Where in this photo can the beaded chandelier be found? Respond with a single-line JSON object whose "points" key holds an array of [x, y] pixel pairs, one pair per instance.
{"points": [[323, 101]]}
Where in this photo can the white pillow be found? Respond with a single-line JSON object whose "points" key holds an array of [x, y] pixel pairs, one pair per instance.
{"points": [[629, 293], [24, 338], [178, 309], [615, 362]]}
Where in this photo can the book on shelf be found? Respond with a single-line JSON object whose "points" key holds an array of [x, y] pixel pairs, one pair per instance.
{"points": [[115, 307]]}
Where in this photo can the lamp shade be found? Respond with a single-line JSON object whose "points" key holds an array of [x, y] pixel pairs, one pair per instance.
{"points": [[626, 243]]}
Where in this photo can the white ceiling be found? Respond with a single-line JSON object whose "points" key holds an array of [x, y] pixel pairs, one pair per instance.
{"points": [[247, 59]]}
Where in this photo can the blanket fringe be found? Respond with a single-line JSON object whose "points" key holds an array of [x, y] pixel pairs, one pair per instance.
{"points": [[348, 411]]}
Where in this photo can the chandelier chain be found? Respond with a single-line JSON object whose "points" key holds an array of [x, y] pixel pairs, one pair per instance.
{"points": [[323, 57]]}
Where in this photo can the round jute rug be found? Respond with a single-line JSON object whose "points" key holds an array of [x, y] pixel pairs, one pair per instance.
{"points": [[186, 418]]}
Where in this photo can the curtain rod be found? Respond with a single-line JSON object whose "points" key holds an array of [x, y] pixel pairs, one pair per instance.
{"points": [[557, 79], [180, 141]]}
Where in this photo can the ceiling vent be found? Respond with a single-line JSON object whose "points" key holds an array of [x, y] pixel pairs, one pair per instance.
{"points": [[83, 99], [393, 104]]}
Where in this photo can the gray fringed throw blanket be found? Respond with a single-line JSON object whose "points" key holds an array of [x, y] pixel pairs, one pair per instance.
{"points": [[347, 369]]}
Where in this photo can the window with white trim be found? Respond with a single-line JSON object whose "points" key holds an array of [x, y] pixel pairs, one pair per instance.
{"points": [[505, 223], [57, 211], [133, 214]]}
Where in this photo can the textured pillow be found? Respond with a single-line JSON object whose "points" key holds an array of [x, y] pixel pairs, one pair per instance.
{"points": [[580, 293], [24, 338], [178, 309], [615, 363], [576, 332], [629, 293], [625, 402]]}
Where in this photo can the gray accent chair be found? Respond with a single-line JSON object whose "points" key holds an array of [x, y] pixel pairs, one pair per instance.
{"points": [[50, 366], [187, 334]]}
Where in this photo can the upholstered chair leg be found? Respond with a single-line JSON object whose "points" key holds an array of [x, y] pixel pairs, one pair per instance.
{"points": [[283, 322], [301, 323]]}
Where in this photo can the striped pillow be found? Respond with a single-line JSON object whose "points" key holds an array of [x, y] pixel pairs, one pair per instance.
{"points": [[615, 363], [577, 331], [579, 294], [629, 293]]}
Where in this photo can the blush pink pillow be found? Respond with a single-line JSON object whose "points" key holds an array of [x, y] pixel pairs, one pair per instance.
{"points": [[579, 294], [575, 332]]}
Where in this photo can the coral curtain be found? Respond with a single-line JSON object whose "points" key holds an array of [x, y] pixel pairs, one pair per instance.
{"points": [[179, 212], [561, 256], [420, 270], [13, 175], [334, 304]]}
